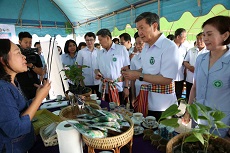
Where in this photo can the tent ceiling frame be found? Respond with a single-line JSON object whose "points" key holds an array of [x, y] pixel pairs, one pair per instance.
{"points": [[52, 1], [116, 12]]}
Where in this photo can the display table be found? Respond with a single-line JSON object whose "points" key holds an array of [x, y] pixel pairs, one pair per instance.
{"points": [[139, 145]]}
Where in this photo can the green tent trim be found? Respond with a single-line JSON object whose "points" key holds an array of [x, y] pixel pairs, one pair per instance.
{"points": [[187, 21]]}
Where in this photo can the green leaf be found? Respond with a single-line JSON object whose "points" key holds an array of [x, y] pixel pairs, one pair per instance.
{"points": [[193, 111], [198, 130], [202, 117], [201, 126], [203, 107], [170, 111], [84, 66], [173, 122], [221, 125], [217, 115], [191, 138], [199, 136], [204, 110]]}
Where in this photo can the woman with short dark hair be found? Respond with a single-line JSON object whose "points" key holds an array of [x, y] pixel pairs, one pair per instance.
{"points": [[70, 55], [211, 85], [16, 129]]}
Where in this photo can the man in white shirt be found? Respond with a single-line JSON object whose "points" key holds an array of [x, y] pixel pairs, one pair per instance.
{"points": [[158, 68], [190, 60], [180, 37], [135, 64], [110, 60], [88, 56], [125, 39]]}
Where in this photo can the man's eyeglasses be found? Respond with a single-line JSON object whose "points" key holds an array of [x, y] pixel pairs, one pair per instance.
{"points": [[89, 40], [122, 43]]}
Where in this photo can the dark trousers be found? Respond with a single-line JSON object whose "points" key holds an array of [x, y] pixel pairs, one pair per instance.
{"points": [[156, 114], [95, 90], [188, 89], [179, 85], [121, 97]]}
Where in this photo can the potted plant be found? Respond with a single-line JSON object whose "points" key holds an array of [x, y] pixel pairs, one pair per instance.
{"points": [[201, 138], [74, 74]]}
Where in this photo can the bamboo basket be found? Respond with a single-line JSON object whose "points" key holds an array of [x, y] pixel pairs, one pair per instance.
{"points": [[177, 140], [67, 113], [48, 141], [113, 143]]}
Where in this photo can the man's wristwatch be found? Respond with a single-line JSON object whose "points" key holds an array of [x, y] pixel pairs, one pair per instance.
{"points": [[127, 87], [141, 78]]}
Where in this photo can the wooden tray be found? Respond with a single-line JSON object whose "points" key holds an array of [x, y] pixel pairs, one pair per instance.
{"points": [[44, 117]]}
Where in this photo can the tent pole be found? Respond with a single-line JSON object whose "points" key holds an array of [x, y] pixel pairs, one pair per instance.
{"points": [[159, 8], [21, 10], [74, 35]]}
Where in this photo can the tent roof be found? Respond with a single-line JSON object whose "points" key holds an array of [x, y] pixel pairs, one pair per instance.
{"points": [[62, 16]]}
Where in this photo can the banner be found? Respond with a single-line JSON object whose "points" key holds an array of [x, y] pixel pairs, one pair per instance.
{"points": [[54, 67], [7, 31]]}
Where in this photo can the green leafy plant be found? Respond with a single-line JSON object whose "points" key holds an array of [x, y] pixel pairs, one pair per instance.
{"points": [[74, 74], [203, 132]]}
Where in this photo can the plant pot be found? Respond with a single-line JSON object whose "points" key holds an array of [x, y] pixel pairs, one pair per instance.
{"points": [[86, 92], [80, 90], [219, 143]]}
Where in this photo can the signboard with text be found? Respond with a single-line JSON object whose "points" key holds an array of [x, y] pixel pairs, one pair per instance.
{"points": [[7, 31]]}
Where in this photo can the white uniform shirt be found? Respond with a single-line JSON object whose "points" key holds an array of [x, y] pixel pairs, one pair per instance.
{"points": [[213, 85], [160, 59], [131, 50], [135, 64], [191, 58], [89, 58], [110, 63], [182, 52]]}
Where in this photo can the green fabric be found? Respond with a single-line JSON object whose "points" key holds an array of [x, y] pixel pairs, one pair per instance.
{"points": [[187, 21]]}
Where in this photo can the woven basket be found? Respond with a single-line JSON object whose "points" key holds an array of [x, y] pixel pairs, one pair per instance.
{"points": [[110, 143], [45, 118], [48, 141], [177, 140], [67, 114]]}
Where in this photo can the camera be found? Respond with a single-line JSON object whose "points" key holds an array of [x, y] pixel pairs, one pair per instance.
{"points": [[30, 54]]}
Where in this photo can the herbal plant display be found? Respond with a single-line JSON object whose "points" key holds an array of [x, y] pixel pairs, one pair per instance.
{"points": [[203, 132], [74, 74]]}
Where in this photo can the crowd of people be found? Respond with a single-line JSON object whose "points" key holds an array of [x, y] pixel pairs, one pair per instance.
{"points": [[151, 75]]}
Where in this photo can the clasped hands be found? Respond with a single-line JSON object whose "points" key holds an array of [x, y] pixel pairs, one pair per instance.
{"points": [[130, 74]]}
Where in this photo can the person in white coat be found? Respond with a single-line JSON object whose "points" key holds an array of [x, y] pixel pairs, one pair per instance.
{"points": [[211, 85], [159, 65], [180, 37], [110, 60], [190, 60], [88, 56]]}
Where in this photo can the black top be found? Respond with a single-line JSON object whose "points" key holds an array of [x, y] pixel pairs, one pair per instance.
{"points": [[28, 79]]}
